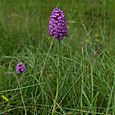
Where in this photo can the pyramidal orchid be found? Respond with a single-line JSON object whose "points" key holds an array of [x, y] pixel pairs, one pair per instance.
{"points": [[20, 68], [57, 24]]}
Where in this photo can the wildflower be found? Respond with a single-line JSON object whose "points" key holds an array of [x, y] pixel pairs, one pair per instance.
{"points": [[4, 98], [57, 24], [20, 68]]}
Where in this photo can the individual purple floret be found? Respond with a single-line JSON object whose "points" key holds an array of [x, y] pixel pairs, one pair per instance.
{"points": [[20, 68], [57, 24]]}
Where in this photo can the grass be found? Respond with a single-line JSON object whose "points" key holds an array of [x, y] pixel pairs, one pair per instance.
{"points": [[87, 72]]}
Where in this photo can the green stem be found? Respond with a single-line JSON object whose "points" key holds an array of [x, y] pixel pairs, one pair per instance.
{"points": [[57, 88], [22, 96]]}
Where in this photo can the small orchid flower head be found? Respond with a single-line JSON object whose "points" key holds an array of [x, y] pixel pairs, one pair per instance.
{"points": [[20, 68]]}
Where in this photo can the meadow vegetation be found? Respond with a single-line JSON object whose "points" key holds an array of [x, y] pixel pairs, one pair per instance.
{"points": [[87, 58]]}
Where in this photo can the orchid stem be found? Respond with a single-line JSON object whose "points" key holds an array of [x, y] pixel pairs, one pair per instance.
{"points": [[57, 88]]}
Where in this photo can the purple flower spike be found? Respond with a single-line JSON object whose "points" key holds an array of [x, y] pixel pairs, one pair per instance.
{"points": [[57, 24], [20, 68]]}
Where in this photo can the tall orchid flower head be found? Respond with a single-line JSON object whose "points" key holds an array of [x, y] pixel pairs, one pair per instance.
{"points": [[57, 24], [20, 68]]}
